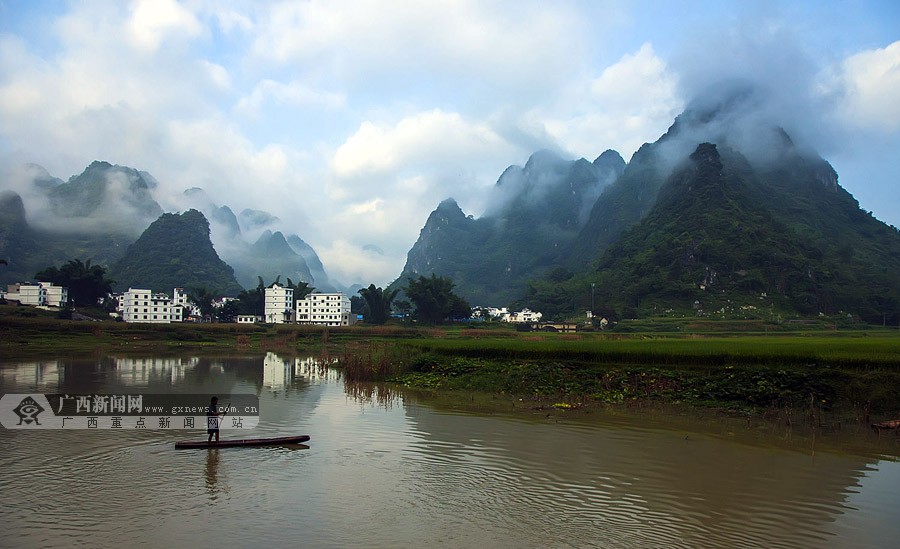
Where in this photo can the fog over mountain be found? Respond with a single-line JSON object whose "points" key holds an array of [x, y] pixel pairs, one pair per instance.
{"points": [[349, 122], [107, 207], [763, 225]]}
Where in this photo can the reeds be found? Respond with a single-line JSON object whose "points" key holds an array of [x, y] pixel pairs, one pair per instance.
{"points": [[368, 362]]}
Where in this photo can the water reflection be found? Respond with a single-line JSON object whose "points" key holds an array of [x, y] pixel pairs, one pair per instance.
{"points": [[144, 371], [388, 467], [43, 375], [212, 472], [382, 395]]}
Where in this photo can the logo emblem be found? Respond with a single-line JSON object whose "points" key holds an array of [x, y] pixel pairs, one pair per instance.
{"points": [[28, 410]]}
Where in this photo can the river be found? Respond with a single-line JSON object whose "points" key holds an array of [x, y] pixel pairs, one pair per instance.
{"points": [[390, 468]]}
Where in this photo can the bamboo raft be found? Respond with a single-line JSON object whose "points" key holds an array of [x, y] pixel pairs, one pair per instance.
{"points": [[891, 425], [274, 441]]}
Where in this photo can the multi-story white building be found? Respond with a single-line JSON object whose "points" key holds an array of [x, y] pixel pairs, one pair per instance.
{"points": [[279, 304], [42, 294], [331, 309], [138, 305]]}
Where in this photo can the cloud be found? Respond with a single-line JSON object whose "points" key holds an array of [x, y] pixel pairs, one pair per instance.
{"points": [[627, 104], [870, 84], [351, 121], [293, 93], [153, 21], [518, 48], [414, 140]]}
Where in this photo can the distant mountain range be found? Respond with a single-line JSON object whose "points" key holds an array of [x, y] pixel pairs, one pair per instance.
{"points": [[724, 213], [108, 214], [535, 218]]}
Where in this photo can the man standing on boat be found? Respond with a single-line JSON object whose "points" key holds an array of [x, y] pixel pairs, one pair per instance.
{"points": [[213, 416]]}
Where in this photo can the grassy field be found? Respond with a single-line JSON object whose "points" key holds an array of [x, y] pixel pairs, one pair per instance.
{"points": [[862, 350]]}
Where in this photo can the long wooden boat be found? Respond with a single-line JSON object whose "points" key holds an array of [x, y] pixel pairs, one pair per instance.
{"points": [[272, 441], [888, 425]]}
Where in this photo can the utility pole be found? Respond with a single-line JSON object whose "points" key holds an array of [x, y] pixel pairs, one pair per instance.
{"points": [[592, 300]]}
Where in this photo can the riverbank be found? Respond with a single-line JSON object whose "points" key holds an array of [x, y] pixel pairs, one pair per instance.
{"points": [[798, 373]]}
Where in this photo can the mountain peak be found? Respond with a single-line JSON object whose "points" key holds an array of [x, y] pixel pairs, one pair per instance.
{"points": [[706, 157], [449, 205], [609, 157], [153, 262], [98, 165]]}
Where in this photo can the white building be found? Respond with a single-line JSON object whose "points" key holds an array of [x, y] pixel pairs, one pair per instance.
{"points": [[249, 319], [325, 309], [525, 315], [42, 294], [279, 304], [144, 306]]}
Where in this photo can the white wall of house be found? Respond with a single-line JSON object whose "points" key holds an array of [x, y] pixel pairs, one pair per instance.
{"points": [[44, 294], [139, 305], [279, 304], [327, 309], [249, 319]]}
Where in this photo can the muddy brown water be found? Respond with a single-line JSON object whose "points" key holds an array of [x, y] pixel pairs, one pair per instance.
{"points": [[389, 468]]}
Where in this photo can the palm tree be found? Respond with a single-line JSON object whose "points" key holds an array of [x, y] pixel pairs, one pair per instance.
{"points": [[204, 299], [301, 290], [378, 303], [87, 284]]}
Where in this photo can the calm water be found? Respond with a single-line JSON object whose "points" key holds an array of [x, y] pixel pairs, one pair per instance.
{"points": [[391, 469]]}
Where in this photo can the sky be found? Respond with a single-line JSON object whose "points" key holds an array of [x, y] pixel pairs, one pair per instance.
{"points": [[352, 120]]}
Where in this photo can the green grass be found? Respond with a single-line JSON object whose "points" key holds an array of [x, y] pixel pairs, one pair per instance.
{"points": [[881, 350]]}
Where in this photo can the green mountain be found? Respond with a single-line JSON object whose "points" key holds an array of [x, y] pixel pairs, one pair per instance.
{"points": [[727, 237], [722, 215], [174, 251], [28, 249], [18, 243], [99, 213], [272, 255], [106, 196], [535, 215]]}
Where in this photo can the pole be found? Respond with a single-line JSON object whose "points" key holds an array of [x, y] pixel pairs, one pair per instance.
{"points": [[592, 300]]}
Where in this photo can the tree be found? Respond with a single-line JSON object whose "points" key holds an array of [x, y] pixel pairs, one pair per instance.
{"points": [[301, 290], [357, 305], [87, 284], [204, 300], [252, 302], [229, 311], [434, 299], [378, 303]]}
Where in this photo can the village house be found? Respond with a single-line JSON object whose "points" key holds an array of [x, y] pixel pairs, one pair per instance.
{"points": [[41, 294], [503, 314], [525, 315], [327, 309], [279, 304], [249, 319], [137, 305]]}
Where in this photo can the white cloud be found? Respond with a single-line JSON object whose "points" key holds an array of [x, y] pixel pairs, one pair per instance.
{"points": [[355, 119], [428, 141], [629, 103], [153, 21], [521, 48], [294, 93], [870, 81]]}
